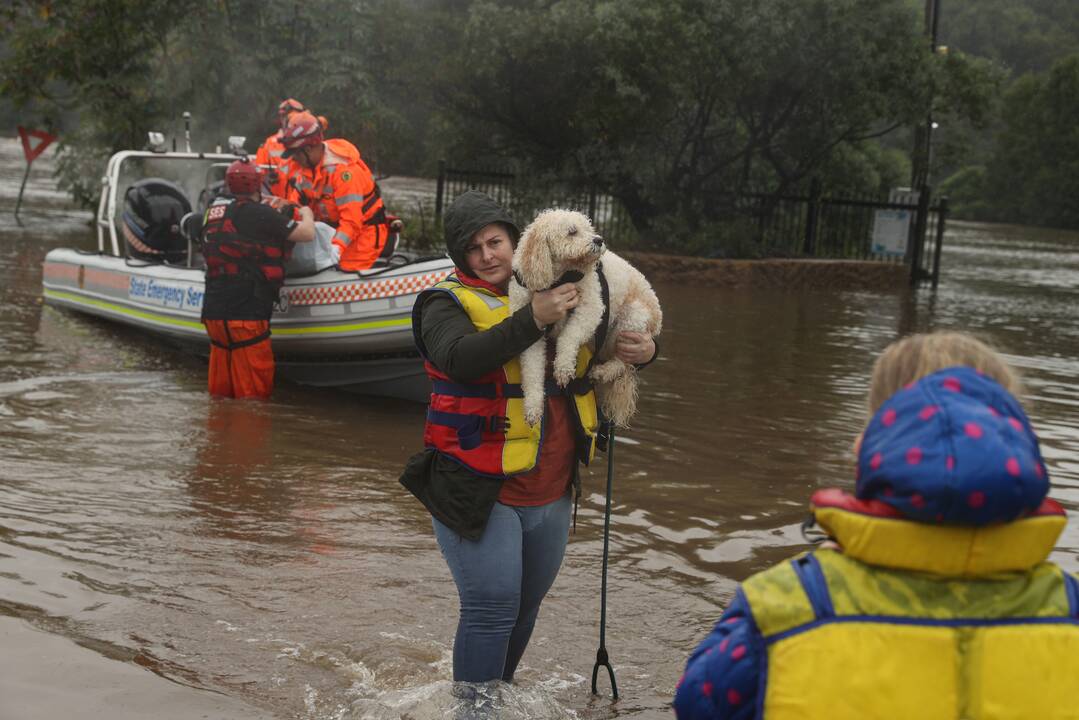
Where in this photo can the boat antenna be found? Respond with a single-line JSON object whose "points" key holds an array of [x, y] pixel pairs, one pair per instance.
{"points": [[602, 659], [187, 131]]}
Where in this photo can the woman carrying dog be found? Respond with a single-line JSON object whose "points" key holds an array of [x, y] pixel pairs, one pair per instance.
{"points": [[498, 489]]}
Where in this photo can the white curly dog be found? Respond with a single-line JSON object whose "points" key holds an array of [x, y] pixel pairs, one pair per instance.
{"points": [[561, 245]]}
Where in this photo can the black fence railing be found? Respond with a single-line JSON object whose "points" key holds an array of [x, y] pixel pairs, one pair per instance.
{"points": [[608, 216], [904, 228]]}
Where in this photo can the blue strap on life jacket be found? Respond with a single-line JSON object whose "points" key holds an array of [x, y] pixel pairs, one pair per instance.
{"points": [[1071, 589], [810, 574], [470, 428]]}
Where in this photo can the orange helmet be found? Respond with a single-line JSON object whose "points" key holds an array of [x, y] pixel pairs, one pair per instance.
{"points": [[286, 109], [303, 130]]}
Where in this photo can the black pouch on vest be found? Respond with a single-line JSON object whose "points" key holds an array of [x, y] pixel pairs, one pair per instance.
{"points": [[457, 497]]}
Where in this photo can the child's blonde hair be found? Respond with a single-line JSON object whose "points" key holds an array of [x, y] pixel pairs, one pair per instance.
{"points": [[916, 356]]}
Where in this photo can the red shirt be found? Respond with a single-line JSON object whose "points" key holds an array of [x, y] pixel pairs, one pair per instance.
{"points": [[551, 477]]}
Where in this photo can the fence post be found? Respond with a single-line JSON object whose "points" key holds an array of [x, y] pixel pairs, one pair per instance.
{"points": [[942, 216], [918, 245], [809, 244], [439, 193], [592, 205]]}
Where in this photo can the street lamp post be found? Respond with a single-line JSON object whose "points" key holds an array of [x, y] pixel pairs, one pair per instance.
{"points": [[923, 150]]}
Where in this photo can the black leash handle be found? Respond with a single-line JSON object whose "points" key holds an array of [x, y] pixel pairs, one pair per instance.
{"points": [[601, 654]]}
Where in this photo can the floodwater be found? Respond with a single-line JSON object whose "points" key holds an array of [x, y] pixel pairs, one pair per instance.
{"points": [[265, 551]]}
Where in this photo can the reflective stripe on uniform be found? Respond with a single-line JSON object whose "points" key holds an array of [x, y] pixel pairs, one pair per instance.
{"points": [[342, 236], [346, 199]]}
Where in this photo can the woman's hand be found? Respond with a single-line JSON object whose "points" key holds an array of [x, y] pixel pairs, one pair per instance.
{"points": [[634, 348], [550, 306]]}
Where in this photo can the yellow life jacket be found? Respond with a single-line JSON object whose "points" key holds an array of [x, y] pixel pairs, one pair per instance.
{"points": [[482, 424], [946, 623]]}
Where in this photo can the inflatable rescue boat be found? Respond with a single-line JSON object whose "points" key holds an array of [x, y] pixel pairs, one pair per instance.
{"points": [[330, 328]]}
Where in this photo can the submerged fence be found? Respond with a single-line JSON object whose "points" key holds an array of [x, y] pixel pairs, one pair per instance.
{"points": [[904, 228]]}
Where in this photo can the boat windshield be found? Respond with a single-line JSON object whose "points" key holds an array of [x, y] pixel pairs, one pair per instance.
{"points": [[191, 181]]}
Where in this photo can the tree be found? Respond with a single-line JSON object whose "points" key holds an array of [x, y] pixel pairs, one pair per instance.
{"points": [[130, 66], [1033, 176], [670, 104]]}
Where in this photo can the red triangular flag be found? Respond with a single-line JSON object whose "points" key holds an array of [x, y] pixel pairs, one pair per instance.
{"points": [[44, 140]]}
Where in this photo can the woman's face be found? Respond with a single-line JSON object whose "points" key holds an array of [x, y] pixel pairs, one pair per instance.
{"points": [[490, 255]]}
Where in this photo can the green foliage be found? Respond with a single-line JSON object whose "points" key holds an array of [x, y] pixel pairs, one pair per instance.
{"points": [[1033, 175], [865, 168], [1019, 35], [1011, 38], [131, 66], [666, 105], [966, 192]]}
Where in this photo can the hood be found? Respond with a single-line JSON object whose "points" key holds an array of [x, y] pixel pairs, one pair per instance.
{"points": [[468, 213], [342, 149], [953, 448]]}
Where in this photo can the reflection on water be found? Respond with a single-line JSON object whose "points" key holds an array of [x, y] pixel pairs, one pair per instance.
{"points": [[265, 550]]}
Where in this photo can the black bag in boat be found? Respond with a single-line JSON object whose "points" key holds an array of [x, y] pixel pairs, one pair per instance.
{"points": [[151, 218]]}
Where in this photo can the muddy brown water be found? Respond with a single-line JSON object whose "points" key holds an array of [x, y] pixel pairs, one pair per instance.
{"points": [[266, 552]]}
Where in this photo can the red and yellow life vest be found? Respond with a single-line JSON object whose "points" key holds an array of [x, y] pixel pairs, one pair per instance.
{"points": [[950, 621], [230, 253], [482, 424]]}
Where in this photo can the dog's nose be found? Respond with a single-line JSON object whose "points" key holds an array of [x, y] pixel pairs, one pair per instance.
{"points": [[597, 240]]}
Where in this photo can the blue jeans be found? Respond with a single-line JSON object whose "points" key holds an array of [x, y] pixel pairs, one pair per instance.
{"points": [[501, 580]]}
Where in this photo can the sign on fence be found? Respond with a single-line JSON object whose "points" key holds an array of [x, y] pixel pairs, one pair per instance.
{"points": [[891, 228]]}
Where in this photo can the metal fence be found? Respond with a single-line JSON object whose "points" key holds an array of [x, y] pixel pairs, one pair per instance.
{"points": [[812, 224], [608, 216]]}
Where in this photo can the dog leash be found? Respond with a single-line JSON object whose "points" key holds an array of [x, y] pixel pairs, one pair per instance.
{"points": [[602, 660]]}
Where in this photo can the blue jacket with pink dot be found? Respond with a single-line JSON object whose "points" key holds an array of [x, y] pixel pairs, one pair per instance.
{"points": [[953, 448]]}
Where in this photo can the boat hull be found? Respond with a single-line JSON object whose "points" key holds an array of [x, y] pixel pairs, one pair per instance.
{"points": [[333, 329]]}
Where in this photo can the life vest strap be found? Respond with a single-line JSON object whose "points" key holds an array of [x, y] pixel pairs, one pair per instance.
{"points": [[811, 576], [241, 343], [1071, 589], [470, 428]]}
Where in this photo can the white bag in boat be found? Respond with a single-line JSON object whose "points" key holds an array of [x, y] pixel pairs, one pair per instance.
{"points": [[319, 254]]}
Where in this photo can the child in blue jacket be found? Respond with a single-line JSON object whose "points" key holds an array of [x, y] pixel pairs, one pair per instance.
{"points": [[932, 597]]}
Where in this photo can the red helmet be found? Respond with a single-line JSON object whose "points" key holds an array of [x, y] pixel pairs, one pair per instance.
{"points": [[286, 109], [243, 177], [303, 130]]}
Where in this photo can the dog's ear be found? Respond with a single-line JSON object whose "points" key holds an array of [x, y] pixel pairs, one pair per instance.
{"points": [[534, 260]]}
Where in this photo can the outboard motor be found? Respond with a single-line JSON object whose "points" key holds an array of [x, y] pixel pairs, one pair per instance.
{"points": [[151, 218]]}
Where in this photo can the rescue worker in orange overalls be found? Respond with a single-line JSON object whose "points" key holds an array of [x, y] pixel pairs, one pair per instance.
{"points": [[329, 177], [268, 155], [245, 244]]}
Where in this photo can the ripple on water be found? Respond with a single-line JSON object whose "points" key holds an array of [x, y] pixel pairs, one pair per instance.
{"points": [[266, 550]]}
